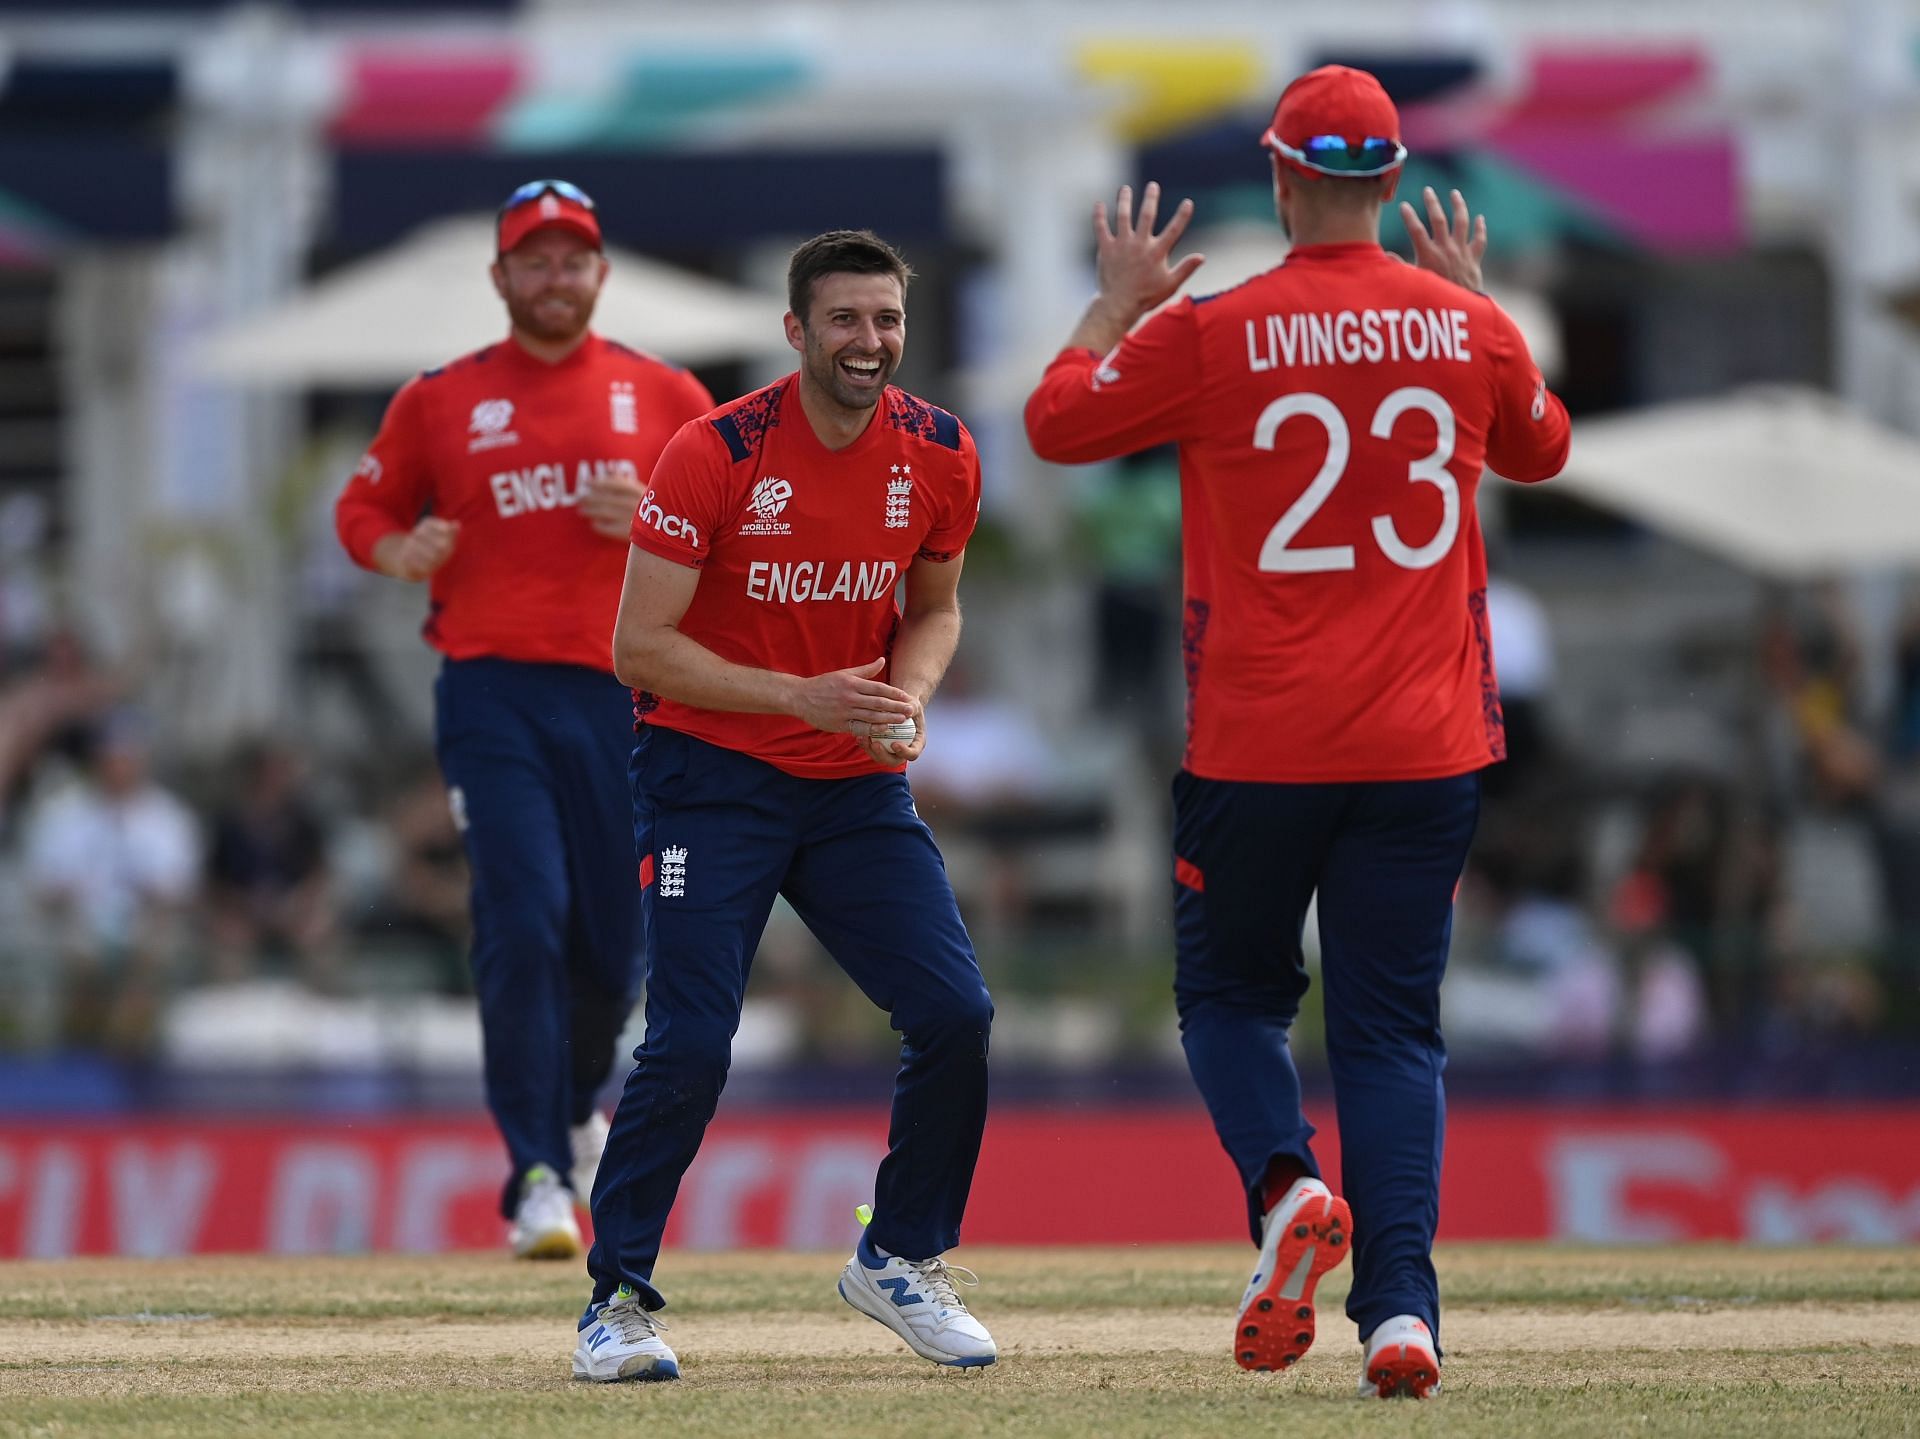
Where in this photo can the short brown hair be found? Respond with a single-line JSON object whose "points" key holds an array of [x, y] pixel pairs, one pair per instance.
{"points": [[840, 252]]}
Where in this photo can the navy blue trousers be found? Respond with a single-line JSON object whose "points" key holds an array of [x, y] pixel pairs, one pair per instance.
{"points": [[533, 756], [726, 834], [1385, 860]]}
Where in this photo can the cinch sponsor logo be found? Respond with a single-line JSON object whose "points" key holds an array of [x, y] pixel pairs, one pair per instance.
{"points": [[820, 580], [672, 526], [551, 486]]}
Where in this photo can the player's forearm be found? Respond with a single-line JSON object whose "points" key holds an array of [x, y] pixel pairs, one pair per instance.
{"points": [[665, 662], [923, 647], [1104, 325], [1062, 426], [385, 556]]}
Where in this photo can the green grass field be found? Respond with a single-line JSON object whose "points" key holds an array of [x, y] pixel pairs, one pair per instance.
{"points": [[1097, 1342]]}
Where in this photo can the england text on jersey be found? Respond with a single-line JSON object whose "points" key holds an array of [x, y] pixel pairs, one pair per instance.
{"points": [[801, 549], [507, 446]]}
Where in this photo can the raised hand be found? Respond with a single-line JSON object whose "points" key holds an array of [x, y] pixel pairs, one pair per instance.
{"points": [[1454, 246], [1133, 263]]}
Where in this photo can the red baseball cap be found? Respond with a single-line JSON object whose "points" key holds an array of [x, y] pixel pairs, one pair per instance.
{"points": [[1336, 121], [539, 204]]}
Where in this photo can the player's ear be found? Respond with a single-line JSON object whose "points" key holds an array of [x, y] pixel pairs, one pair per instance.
{"points": [[796, 332], [1391, 185], [499, 277]]}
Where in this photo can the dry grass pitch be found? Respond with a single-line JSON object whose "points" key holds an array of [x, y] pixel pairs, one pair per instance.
{"points": [[1099, 1342]]}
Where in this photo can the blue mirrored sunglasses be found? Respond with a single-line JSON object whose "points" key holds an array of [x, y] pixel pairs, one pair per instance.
{"points": [[1335, 155], [534, 189]]}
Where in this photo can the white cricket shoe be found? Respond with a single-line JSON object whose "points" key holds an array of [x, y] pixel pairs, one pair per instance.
{"points": [[621, 1340], [1305, 1236], [916, 1299], [1402, 1362], [589, 1143], [543, 1225]]}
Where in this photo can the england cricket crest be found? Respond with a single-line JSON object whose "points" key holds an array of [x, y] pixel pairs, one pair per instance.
{"points": [[673, 872], [620, 403], [900, 497]]}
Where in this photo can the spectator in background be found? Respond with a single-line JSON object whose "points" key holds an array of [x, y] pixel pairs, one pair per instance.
{"points": [[1522, 639], [51, 700], [269, 893], [112, 863], [422, 906], [1896, 826]]}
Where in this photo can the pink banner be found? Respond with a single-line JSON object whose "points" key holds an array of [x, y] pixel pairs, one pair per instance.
{"points": [[791, 1180]]}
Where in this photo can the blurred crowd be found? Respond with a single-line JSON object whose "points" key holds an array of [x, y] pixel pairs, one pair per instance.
{"points": [[1772, 902], [1769, 901], [125, 883]]}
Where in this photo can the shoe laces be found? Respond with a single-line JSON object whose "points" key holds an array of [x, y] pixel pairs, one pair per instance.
{"points": [[631, 1321], [937, 1280]]}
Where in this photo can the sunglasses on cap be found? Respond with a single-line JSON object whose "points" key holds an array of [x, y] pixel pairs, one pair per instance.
{"points": [[1335, 155], [534, 189]]}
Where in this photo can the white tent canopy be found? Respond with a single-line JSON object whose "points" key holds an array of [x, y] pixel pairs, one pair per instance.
{"points": [[1787, 481], [428, 299]]}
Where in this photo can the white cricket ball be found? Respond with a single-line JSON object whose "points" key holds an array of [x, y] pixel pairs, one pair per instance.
{"points": [[906, 732]]}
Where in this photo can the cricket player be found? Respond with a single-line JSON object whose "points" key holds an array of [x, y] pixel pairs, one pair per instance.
{"points": [[1333, 417], [760, 627], [507, 480]]}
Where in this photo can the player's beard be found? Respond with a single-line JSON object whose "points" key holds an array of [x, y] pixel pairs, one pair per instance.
{"points": [[825, 372], [551, 323]]}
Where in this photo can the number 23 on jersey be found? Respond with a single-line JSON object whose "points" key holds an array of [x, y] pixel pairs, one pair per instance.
{"points": [[1278, 555]]}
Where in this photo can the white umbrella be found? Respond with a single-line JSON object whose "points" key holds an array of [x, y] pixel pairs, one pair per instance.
{"points": [[428, 300], [1784, 480]]}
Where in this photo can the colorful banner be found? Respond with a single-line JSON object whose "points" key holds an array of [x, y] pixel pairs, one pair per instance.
{"points": [[791, 1180]]}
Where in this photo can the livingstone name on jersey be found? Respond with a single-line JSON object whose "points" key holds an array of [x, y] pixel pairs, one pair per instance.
{"points": [[1356, 337], [553, 486], [782, 582]]}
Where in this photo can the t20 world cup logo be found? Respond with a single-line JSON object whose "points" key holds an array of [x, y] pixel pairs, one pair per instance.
{"points": [[770, 497]]}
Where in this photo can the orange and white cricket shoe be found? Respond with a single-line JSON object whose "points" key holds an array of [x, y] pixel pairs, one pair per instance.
{"points": [[1305, 1236], [1402, 1361]]}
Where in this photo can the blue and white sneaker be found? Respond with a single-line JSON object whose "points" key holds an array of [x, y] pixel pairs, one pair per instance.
{"points": [[620, 1339], [916, 1299]]}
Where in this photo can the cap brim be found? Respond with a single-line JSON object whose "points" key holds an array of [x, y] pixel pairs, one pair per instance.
{"points": [[583, 228]]}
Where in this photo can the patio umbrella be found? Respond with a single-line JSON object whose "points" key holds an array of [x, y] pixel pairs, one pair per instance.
{"points": [[1784, 480], [428, 299]]}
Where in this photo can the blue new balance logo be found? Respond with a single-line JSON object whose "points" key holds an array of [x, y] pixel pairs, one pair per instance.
{"points": [[600, 1336], [898, 1289]]}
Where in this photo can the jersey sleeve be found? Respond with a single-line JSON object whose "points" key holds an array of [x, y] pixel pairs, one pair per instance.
{"points": [[957, 508], [1531, 432], [687, 500], [690, 399], [1087, 408], [393, 484]]}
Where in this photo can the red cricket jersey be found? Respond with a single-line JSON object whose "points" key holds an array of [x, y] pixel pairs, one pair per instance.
{"points": [[506, 444], [1333, 417], [800, 549]]}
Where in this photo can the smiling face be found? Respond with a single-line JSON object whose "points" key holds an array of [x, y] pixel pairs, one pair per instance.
{"points": [[550, 281], [851, 339]]}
